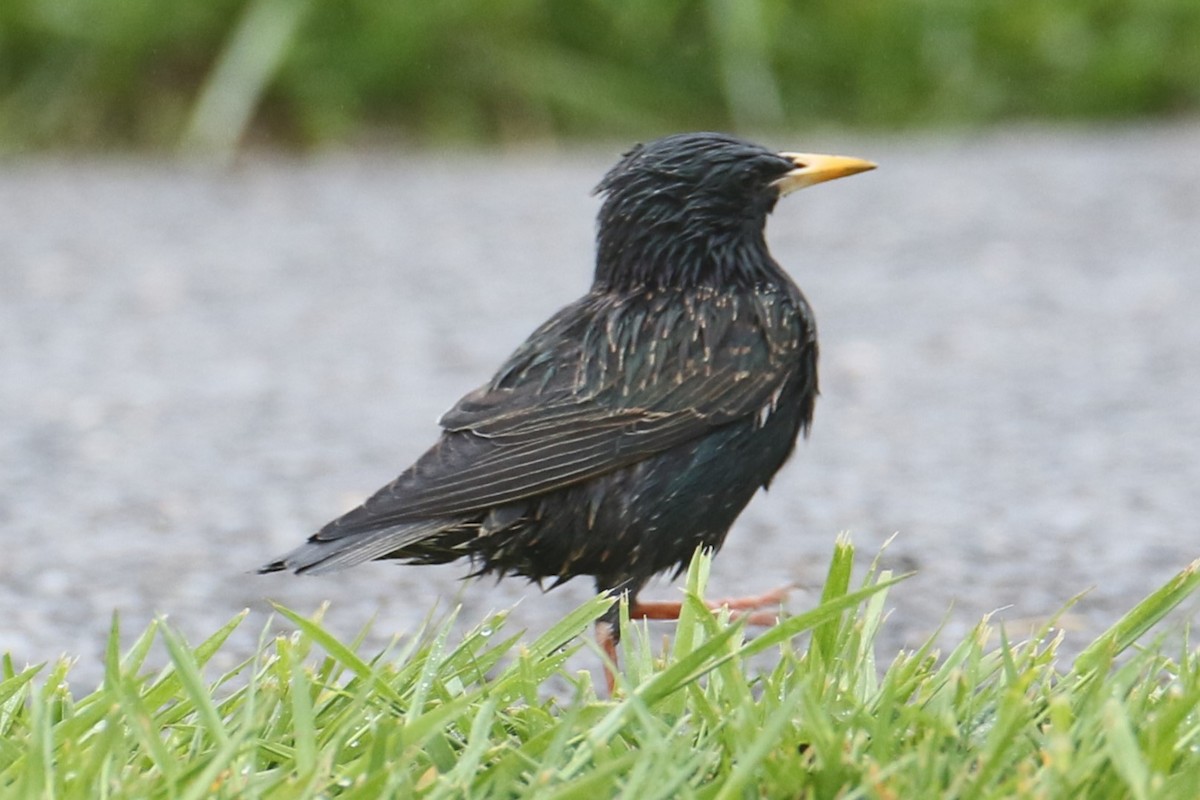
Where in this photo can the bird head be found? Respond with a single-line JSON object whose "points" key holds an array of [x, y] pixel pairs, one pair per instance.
{"points": [[690, 208]]}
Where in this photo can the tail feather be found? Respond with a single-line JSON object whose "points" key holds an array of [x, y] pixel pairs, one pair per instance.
{"points": [[318, 556]]}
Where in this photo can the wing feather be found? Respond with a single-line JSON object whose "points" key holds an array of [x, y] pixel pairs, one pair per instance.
{"points": [[569, 406]]}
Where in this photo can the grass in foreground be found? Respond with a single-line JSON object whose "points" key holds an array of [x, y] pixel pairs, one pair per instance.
{"points": [[309, 716]]}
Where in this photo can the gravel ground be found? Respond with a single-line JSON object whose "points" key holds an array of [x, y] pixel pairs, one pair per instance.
{"points": [[199, 367]]}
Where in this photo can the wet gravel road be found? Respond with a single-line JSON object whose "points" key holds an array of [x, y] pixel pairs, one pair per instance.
{"points": [[199, 367]]}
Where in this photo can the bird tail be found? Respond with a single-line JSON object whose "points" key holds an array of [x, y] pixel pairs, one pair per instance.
{"points": [[324, 553]]}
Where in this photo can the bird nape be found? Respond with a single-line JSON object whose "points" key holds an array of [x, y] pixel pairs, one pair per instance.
{"points": [[635, 424]]}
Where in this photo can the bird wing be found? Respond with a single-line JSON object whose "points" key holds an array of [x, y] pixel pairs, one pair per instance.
{"points": [[605, 383]]}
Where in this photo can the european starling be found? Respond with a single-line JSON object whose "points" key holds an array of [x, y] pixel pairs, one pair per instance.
{"points": [[637, 422]]}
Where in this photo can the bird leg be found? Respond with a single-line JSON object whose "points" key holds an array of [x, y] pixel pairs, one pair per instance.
{"points": [[606, 637]]}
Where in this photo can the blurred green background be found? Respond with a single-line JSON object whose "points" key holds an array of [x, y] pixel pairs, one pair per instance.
{"points": [[212, 74]]}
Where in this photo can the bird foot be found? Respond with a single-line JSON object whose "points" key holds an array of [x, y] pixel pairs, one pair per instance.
{"points": [[659, 609], [748, 608]]}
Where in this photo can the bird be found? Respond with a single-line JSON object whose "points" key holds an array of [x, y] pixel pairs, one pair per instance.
{"points": [[636, 424]]}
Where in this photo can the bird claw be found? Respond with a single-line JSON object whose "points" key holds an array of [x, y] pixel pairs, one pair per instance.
{"points": [[761, 619], [659, 609], [749, 608], [753, 602]]}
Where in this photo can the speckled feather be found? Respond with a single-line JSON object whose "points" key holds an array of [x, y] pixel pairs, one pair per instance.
{"points": [[637, 422]]}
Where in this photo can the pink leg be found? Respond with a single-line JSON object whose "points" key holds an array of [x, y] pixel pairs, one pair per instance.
{"points": [[608, 642]]}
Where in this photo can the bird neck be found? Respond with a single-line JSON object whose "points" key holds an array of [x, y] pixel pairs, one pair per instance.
{"points": [[629, 258]]}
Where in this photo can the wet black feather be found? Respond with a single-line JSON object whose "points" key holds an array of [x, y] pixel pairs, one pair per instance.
{"points": [[637, 422]]}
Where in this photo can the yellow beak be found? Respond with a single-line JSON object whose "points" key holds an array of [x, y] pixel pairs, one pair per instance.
{"points": [[812, 168]]}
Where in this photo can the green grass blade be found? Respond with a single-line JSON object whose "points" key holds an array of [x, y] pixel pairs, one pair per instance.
{"points": [[10, 687], [570, 627], [344, 655], [1124, 751], [799, 623], [236, 84], [837, 584], [304, 724], [1133, 625], [193, 684], [749, 761]]}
